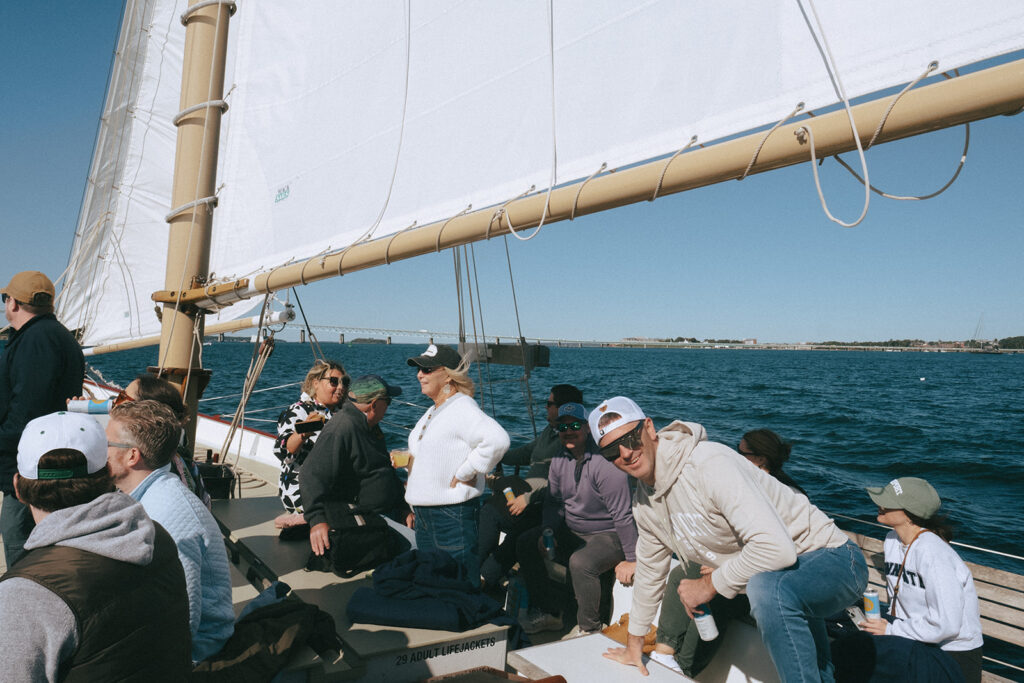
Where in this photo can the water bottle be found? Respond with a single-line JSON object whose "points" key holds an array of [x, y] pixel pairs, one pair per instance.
{"points": [[92, 406], [549, 543], [706, 626]]}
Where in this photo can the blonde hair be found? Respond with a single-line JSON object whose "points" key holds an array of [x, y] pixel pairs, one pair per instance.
{"points": [[319, 371], [459, 377]]}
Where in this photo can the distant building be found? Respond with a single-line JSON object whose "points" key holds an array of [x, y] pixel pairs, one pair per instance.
{"points": [[749, 342]]}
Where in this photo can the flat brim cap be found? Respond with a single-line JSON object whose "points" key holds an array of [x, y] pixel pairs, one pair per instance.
{"points": [[73, 431], [626, 408], [437, 356], [574, 410], [371, 387], [30, 287], [911, 494]]}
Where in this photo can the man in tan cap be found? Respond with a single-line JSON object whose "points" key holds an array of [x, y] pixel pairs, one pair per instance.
{"points": [[41, 367]]}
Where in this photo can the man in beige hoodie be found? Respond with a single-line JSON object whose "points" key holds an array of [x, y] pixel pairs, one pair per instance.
{"points": [[706, 503]]}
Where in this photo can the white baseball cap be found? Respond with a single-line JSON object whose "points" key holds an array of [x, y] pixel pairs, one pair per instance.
{"points": [[628, 412], [74, 431]]}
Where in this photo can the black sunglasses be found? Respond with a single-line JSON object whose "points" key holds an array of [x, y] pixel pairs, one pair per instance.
{"points": [[631, 440], [426, 371], [749, 454], [575, 426], [334, 381], [3, 297]]}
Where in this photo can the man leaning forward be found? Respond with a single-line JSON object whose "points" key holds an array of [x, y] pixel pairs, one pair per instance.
{"points": [[705, 503]]}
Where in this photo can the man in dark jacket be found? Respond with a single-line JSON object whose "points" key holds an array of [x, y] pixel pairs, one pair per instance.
{"points": [[350, 462], [99, 594], [40, 369]]}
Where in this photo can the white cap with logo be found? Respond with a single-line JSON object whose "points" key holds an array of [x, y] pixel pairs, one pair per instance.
{"points": [[73, 431], [627, 410]]}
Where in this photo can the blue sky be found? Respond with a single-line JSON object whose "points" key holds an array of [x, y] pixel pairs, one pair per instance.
{"points": [[751, 259]]}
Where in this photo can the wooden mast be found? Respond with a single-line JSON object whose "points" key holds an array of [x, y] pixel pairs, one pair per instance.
{"points": [[193, 194]]}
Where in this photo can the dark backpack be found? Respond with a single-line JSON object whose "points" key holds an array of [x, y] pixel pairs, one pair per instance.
{"points": [[360, 540]]}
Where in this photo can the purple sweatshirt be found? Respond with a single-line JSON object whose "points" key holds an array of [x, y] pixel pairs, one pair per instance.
{"points": [[592, 496]]}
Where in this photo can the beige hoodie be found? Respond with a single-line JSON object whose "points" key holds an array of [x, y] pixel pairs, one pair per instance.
{"points": [[710, 505]]}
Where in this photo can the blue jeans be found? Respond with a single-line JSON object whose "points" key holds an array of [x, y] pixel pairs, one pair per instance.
{"points": [[16, 524], [453, 529], [790, 606]]}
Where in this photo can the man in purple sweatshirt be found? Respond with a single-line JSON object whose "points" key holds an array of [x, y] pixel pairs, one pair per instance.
{"points": [[588, 510]]}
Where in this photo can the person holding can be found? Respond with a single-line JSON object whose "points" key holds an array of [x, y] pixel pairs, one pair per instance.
{"points": [[931, 593]]}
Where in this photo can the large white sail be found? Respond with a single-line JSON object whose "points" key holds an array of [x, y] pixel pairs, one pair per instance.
{"points": [[346, 116]]}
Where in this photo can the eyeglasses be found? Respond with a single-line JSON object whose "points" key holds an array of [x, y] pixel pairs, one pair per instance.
{"points": [[334, 381], [426, 371], [748, 453], [122, 397], [575, 426], [631, 440], [3, 297], [115, 444]]}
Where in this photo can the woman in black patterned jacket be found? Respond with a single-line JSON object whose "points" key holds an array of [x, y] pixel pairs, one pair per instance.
{"points": [[323, 392]]}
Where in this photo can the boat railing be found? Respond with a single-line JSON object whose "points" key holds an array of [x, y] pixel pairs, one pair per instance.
{"points": [[1000, 602]]}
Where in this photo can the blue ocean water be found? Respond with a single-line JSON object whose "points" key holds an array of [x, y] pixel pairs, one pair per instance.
{"points": [[854, 418]]}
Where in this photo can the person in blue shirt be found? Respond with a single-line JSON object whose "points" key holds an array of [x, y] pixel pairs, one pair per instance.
{"points": [[141, 438]]}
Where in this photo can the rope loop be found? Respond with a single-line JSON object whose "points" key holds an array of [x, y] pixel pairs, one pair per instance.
{"points": [[503, 211], [387, 249], [576, 201], [799, 108], [661, 180], [437, 243]]}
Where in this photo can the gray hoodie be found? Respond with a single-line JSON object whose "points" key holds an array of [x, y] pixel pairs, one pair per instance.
{"points": [[37, 628], [711, 506]]}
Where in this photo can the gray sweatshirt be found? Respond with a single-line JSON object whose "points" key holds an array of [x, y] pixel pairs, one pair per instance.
{"points": [[37, 628], [711, 506]]}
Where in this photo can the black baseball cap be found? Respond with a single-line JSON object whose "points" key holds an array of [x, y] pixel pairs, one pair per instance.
{"points": [[436, 357]]}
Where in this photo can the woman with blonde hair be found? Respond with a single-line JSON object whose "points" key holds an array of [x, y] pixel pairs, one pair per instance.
{"points": [[453, 445], [323, 391]]}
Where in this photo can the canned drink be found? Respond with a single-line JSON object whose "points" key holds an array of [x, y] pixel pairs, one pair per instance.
{"points": [[509, 495], [90, 405], [872, 610], [707, 629]]}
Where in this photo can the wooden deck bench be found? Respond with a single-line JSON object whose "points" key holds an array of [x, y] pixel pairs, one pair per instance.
{"points": [[1000, 599]]}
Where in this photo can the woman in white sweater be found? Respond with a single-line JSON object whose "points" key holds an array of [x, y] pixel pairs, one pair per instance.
{"points": [[930, 589], [453, 446]]}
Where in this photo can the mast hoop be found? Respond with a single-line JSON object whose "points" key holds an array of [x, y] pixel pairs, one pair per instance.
{"points": [[210, 201], [187, 14], [796, 110], [668, 163], [576, 201], [221, 104], [387, 248]]}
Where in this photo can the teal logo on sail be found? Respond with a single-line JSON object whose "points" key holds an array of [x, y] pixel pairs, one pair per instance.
{"points": [[282, 194]]}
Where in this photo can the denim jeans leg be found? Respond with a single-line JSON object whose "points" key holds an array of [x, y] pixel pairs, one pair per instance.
{"points": [[453, 529], [791, 604], [16, 524]]}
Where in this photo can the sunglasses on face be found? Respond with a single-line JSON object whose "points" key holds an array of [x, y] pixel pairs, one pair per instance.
{"points": [[747, 452], [3, 297], [575, 426], [122, 397], [426, 370], [333, 381], [631, 440]]}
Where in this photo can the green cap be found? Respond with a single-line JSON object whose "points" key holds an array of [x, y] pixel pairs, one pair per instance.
{"points": [[369, 388], [910, 494]]}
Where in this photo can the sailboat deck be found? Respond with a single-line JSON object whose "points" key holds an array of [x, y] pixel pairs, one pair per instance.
{"points": [[371, 652]]}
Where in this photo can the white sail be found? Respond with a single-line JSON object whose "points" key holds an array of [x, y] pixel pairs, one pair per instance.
{"points": [[345, 113]]}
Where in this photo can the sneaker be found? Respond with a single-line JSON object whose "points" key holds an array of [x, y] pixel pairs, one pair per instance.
{"points": [[666, 660], [577, 632], [536, 621]]}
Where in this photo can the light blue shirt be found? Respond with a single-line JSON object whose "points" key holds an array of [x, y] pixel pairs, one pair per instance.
{"points": [[202, 553]]}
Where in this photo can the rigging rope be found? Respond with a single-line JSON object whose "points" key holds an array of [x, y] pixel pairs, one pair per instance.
{"points": [[314, 343], [261, 352], [522, 347], [826, 52], [483, 332], [554, 137]]}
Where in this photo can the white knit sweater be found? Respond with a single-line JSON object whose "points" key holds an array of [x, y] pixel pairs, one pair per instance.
{"points": [[456, 439]]}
